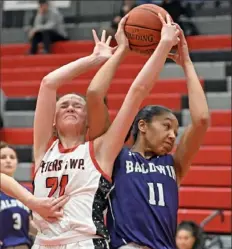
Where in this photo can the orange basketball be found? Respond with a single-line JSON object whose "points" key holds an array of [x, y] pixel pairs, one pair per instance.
{"points": [[143, 28]]}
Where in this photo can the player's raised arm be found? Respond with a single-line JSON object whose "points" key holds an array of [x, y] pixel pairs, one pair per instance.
{"points": [[109, 145], [48, 208], [193, 135], [46, 102], [97, 90]]}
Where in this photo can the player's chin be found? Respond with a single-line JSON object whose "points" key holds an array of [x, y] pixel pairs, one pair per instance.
{"points": [[9, 170], [72, 122], [164, 151], [70, 119], [160, 152]]}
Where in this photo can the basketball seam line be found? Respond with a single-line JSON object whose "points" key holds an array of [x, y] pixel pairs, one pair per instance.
{"points": [[144, 45], [149, 10], [143, 27]]}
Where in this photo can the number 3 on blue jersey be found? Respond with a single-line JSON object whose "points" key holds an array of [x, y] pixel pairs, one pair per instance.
{"points": [[152, 197], [17, 221]]}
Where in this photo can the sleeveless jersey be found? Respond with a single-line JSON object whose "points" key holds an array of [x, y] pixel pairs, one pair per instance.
{"points": [[72, 172], [143, 203], [14, 222]]}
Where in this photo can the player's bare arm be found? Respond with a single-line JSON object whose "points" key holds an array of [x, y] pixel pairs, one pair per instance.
{"points": [[46, 102], [109, 145], [194, 134], [32, 228], [48, 208], [99, 86]]}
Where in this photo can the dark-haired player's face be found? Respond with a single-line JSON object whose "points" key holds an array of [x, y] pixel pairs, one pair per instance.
{"points": [[184, 239], [161, 133], [70, 113], [9, 161]]}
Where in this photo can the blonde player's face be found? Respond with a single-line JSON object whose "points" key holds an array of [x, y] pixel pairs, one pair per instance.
{"points": [[161, 133], [9, 161], [70, 113], [184, 240]]}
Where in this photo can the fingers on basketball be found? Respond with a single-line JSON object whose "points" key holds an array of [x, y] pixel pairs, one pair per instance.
{"points": [[169, 19], [161, 19], [177, 26], [180, 29], [178, 32], [123, 22], [181, 32]]}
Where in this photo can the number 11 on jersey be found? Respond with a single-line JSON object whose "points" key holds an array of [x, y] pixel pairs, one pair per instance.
{"points": [[152, 197]]}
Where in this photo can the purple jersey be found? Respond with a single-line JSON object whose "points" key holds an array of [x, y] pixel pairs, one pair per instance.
{"points": [[14, 222], [144, 201]]}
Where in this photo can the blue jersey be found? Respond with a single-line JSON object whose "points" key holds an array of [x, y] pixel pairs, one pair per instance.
{"points": [[144, 201], [14, 222]]}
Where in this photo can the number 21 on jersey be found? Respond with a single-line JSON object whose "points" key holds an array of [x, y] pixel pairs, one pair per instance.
{"points": [[153, 199], [53, 183]]}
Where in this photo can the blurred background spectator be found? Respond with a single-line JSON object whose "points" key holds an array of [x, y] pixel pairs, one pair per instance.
{"points": [[47, 27], [127, 6], [189, 236], [176, 8]]}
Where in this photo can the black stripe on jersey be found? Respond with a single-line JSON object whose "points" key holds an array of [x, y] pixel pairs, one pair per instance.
{"points": [[33, 192], [100, 244], [99, 206], [33, 187]]}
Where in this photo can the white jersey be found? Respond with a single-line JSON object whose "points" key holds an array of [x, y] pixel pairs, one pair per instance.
{"points": [[72, 172]]}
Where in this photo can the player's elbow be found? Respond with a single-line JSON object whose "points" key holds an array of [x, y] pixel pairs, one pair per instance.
{"points": [[203, 120], [139, 91], [94, 94], [92, 91], [47, 81]]}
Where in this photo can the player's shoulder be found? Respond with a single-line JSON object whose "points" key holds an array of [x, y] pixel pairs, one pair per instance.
{"points": [[123, 155], [125, 151]]}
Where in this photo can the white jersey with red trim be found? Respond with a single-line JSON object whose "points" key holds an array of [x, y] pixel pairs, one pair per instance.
{"points": [[72, 172]]}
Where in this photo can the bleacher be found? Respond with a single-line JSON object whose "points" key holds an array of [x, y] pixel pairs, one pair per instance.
{"points": [[82, 16], [207, 187]]}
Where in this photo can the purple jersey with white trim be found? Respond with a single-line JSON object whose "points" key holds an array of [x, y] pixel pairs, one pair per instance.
{"points": [[14, 222], [143, 204]]}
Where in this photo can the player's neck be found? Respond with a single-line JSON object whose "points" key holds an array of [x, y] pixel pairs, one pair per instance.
{"points": [[140, 148], [71, 141]]}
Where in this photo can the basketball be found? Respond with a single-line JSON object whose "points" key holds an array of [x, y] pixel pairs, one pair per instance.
{"points": [[143, 28]]}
